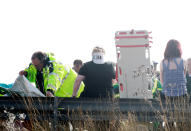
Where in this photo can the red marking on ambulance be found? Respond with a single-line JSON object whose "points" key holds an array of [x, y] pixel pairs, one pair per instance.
{"points": [[121, 87], [123, 37], [141, 32], [122, 33], [120, 71], [130, 46]]}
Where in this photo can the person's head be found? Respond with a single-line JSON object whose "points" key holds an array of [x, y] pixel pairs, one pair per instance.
{"points": [[38, 58], [173, 50], [77, 64], [189, 65], [155, 66], [98, 55]]}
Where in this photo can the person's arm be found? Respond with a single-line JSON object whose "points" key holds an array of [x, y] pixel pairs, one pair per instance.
{"points": [[29, 73], [77, 83], [161, 73], [49, 94], [55, 77], [23, 72], [114, 81], [54, 80]]}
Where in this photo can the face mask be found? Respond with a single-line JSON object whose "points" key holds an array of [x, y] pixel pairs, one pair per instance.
{"points": [[98, 58]]}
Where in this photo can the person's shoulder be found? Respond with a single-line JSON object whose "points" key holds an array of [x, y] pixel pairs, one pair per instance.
{"points": [[110, 63], [179, 59], [161, 63], [87, 63], [183, 60]]}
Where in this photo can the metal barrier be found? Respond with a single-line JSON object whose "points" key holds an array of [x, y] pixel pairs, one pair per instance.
{"points": [[61, 109]]}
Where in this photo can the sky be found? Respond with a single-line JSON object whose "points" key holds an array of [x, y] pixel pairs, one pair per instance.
{"points": [[71, 28]]}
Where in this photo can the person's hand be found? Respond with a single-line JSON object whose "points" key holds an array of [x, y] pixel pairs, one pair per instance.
{"points": [[73, 96], [114, 81], [22, 72], [49, 94]]}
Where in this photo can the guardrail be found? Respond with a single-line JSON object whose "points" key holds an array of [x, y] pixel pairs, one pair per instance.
{"points": [[61, 109]]}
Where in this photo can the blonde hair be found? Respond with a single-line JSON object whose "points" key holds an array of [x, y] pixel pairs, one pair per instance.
{"points": [[98, 49]]}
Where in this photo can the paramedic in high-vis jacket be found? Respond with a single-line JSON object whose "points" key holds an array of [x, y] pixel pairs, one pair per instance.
{"points": [[50, 76]]}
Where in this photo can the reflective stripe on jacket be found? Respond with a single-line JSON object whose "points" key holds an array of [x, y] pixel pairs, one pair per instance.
{"points": [[59, 78]]}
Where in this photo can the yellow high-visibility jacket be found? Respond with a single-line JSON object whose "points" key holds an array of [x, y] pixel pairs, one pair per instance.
{"points": [[57, 77]]}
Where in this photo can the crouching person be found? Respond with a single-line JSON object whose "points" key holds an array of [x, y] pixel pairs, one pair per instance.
{"points": [[50, 76]]}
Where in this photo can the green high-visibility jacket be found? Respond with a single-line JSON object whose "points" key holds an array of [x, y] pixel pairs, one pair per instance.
{"points": [[156, 87], [57, 77]]}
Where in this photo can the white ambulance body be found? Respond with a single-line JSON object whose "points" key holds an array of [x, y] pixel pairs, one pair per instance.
{"points": [[133, 64]]}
